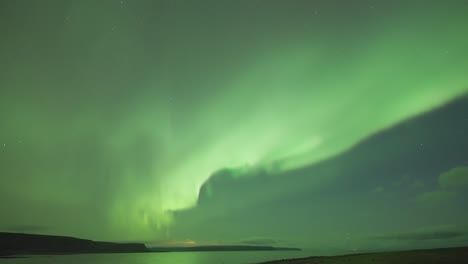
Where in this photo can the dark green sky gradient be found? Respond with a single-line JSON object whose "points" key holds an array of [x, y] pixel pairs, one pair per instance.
{"points": [[115, 113]]}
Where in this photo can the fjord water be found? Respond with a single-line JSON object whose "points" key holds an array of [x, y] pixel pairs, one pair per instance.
{"points": [[238, 257]]}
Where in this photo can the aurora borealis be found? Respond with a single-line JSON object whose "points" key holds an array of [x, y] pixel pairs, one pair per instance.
{"points": [[174, 120]]}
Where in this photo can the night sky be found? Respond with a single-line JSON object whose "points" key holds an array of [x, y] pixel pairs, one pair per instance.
{"points": [[337, 126]]}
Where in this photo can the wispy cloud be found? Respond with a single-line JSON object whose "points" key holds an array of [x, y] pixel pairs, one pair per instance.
{"points": [[437, 196], [451, 183], [260, 241], [435, 233], [378, 189], [455, 178], [166, 243]]}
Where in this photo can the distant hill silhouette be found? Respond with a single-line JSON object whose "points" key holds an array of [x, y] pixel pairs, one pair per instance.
{"points": [[222, 248], [28, 244]]}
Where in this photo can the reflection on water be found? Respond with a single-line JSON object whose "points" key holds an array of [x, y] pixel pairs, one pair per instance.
{"points": [[163, 258]]}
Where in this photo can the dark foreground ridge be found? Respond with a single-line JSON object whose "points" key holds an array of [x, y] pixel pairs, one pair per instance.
{"points": [[27, 244], [222, 248], [424, 256]]}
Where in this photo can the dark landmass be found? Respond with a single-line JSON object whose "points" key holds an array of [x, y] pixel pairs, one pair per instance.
{"points": [[221, 248], [27, 244], [424, 256]]}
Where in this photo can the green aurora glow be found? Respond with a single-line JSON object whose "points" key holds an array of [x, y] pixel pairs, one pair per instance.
{"points": [[114, 115]]}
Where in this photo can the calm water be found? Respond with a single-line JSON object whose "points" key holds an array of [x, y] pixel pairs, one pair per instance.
{"points": [[164, 258]]}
